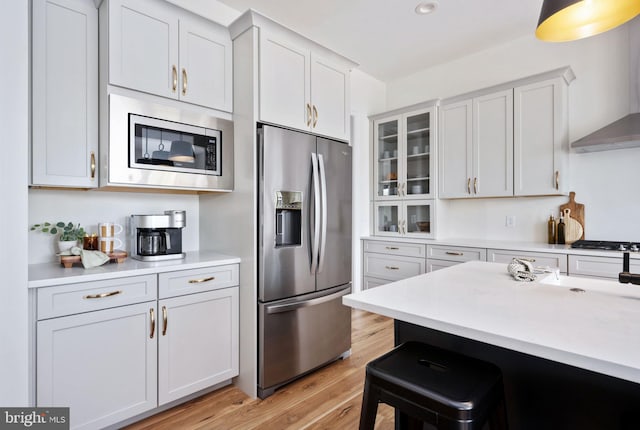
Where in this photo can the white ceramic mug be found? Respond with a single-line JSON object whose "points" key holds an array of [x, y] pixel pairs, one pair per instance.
{"points": [[108, 244], [109, 229]]}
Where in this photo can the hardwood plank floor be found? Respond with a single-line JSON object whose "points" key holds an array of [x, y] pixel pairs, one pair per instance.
{"points": [[329, 398]]}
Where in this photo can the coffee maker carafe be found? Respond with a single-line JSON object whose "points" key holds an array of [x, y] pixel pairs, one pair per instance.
{"points": [[157, 237]]}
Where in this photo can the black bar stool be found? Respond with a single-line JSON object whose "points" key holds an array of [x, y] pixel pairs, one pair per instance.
{"points": [[429, 384]]}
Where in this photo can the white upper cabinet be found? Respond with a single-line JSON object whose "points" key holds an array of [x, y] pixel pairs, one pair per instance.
{"points": [[160, 49], [65, 93], [493, 145], [541, 138], [301, 85], [510, 140]]}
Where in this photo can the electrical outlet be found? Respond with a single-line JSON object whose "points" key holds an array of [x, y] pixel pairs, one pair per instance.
{"points": [[510, 221]]}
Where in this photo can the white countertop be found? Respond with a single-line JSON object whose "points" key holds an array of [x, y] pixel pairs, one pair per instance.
{"points": [[50, 274], [598, 329], [505, 244]]}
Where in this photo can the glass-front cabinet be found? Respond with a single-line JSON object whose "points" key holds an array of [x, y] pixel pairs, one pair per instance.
{"points": [[403, 180], [404, 162], [410, 218]]}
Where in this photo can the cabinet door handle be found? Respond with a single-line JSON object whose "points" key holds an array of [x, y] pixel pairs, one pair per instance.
{"points": [[198, 281], [93, 165], [308, 114], [557, 179], [164, 320], [468, 185], [102, 295], [391, 267], [152, 315], [174, 78], [184, 82], [475, 185], [459, 254], [315, 115], [404, 226], [393, 248]]}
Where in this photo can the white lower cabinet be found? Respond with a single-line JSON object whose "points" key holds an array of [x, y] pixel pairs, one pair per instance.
{"points": [[601, 267], [111, 350], [539, 259], [198, 342], [385, 262], [101, 364], [441, 256]]}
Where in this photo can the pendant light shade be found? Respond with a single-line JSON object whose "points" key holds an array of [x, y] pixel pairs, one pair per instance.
{"points": [[181, 151], [565, 20]]}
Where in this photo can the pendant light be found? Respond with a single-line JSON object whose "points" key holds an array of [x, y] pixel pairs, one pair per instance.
{"points": [[181, 151], [565, 20]]}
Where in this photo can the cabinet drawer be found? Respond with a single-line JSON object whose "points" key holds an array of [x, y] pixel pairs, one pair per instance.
{"points": [[457, 253], [182, 282], [391, 267], [433, 265], [395, 248], [91, 296], [540, 259], [373, 282], [603, 267]]}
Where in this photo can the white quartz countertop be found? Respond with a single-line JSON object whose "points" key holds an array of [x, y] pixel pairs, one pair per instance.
{"points": [[506, 245], [597, 329], [51, 274]]}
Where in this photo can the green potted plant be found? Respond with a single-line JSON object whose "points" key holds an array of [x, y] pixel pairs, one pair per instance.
{"points": [[70, 233]]}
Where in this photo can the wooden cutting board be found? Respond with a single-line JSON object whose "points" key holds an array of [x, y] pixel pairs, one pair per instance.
{"points": [[577, 211], [573, 229], [68, 260]]}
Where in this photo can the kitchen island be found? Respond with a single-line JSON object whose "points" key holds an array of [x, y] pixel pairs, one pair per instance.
{"points": [[568, 347]]}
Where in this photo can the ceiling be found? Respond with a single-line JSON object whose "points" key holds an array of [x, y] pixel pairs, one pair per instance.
{"points": [[389, 40]]}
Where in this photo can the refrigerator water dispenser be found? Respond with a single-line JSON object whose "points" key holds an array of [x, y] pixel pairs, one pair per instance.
{"points": [[288, 218]]}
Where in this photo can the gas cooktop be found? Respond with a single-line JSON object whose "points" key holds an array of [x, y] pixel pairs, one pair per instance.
{"points": [[607, 246]]}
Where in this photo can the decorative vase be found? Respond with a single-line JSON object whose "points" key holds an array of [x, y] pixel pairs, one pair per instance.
{"points": [[66, 245]]}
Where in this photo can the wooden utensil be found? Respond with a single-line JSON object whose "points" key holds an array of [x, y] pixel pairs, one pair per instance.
{"points": [[573, 229], [577, 211]]}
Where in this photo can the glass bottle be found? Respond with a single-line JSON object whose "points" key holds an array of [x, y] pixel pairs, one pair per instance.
{"points": [[560, 231], [551, 230]]}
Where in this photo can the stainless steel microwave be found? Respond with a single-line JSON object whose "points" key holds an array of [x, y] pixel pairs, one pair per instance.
{"points": [[152, 145]]}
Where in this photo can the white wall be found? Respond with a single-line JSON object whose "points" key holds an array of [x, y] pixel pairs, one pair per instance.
{"points": [[92, 207], [600, 94], [368, 96], [14, 144]]}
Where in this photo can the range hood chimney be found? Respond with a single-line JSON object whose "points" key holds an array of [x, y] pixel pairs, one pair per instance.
{"points": [[625, 132]]}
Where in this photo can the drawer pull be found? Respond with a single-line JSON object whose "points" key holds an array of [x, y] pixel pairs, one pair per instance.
{"points": [[391, 267], [103, 295], [392, 248], [197, 281], [152, 315], [459, 254], [164, 320]]}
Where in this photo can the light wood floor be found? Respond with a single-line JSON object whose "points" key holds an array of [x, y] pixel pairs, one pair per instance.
{"points": [[329, 398]]}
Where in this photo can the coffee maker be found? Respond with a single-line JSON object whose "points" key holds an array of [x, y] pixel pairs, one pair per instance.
{"points": [[157, 237]]}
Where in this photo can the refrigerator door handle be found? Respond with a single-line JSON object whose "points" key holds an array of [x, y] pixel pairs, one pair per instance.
{"points": [[323, 187], [287, 307], [316, 221]]}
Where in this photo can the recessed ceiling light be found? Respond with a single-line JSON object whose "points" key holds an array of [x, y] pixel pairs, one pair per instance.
{"points": [[426, 7]]}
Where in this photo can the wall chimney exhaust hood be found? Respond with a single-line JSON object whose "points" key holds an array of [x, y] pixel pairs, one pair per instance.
{"points": [[624, 133]]}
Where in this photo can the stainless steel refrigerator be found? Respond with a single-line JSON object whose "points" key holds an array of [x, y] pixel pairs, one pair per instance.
{"points": [[304, 254]]}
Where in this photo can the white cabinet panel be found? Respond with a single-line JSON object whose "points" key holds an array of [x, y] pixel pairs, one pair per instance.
{"points": [[330, 98], [392, 267], [101, 364], [541, 138], [205, 64], [183, 282], [143, 46], [493, 145], [550, 260], [455, 149], [602, 267], [65, 93], [456, 253], [396, 248], [433, 265], [198, 342], [285, 90], [373, 282]]}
